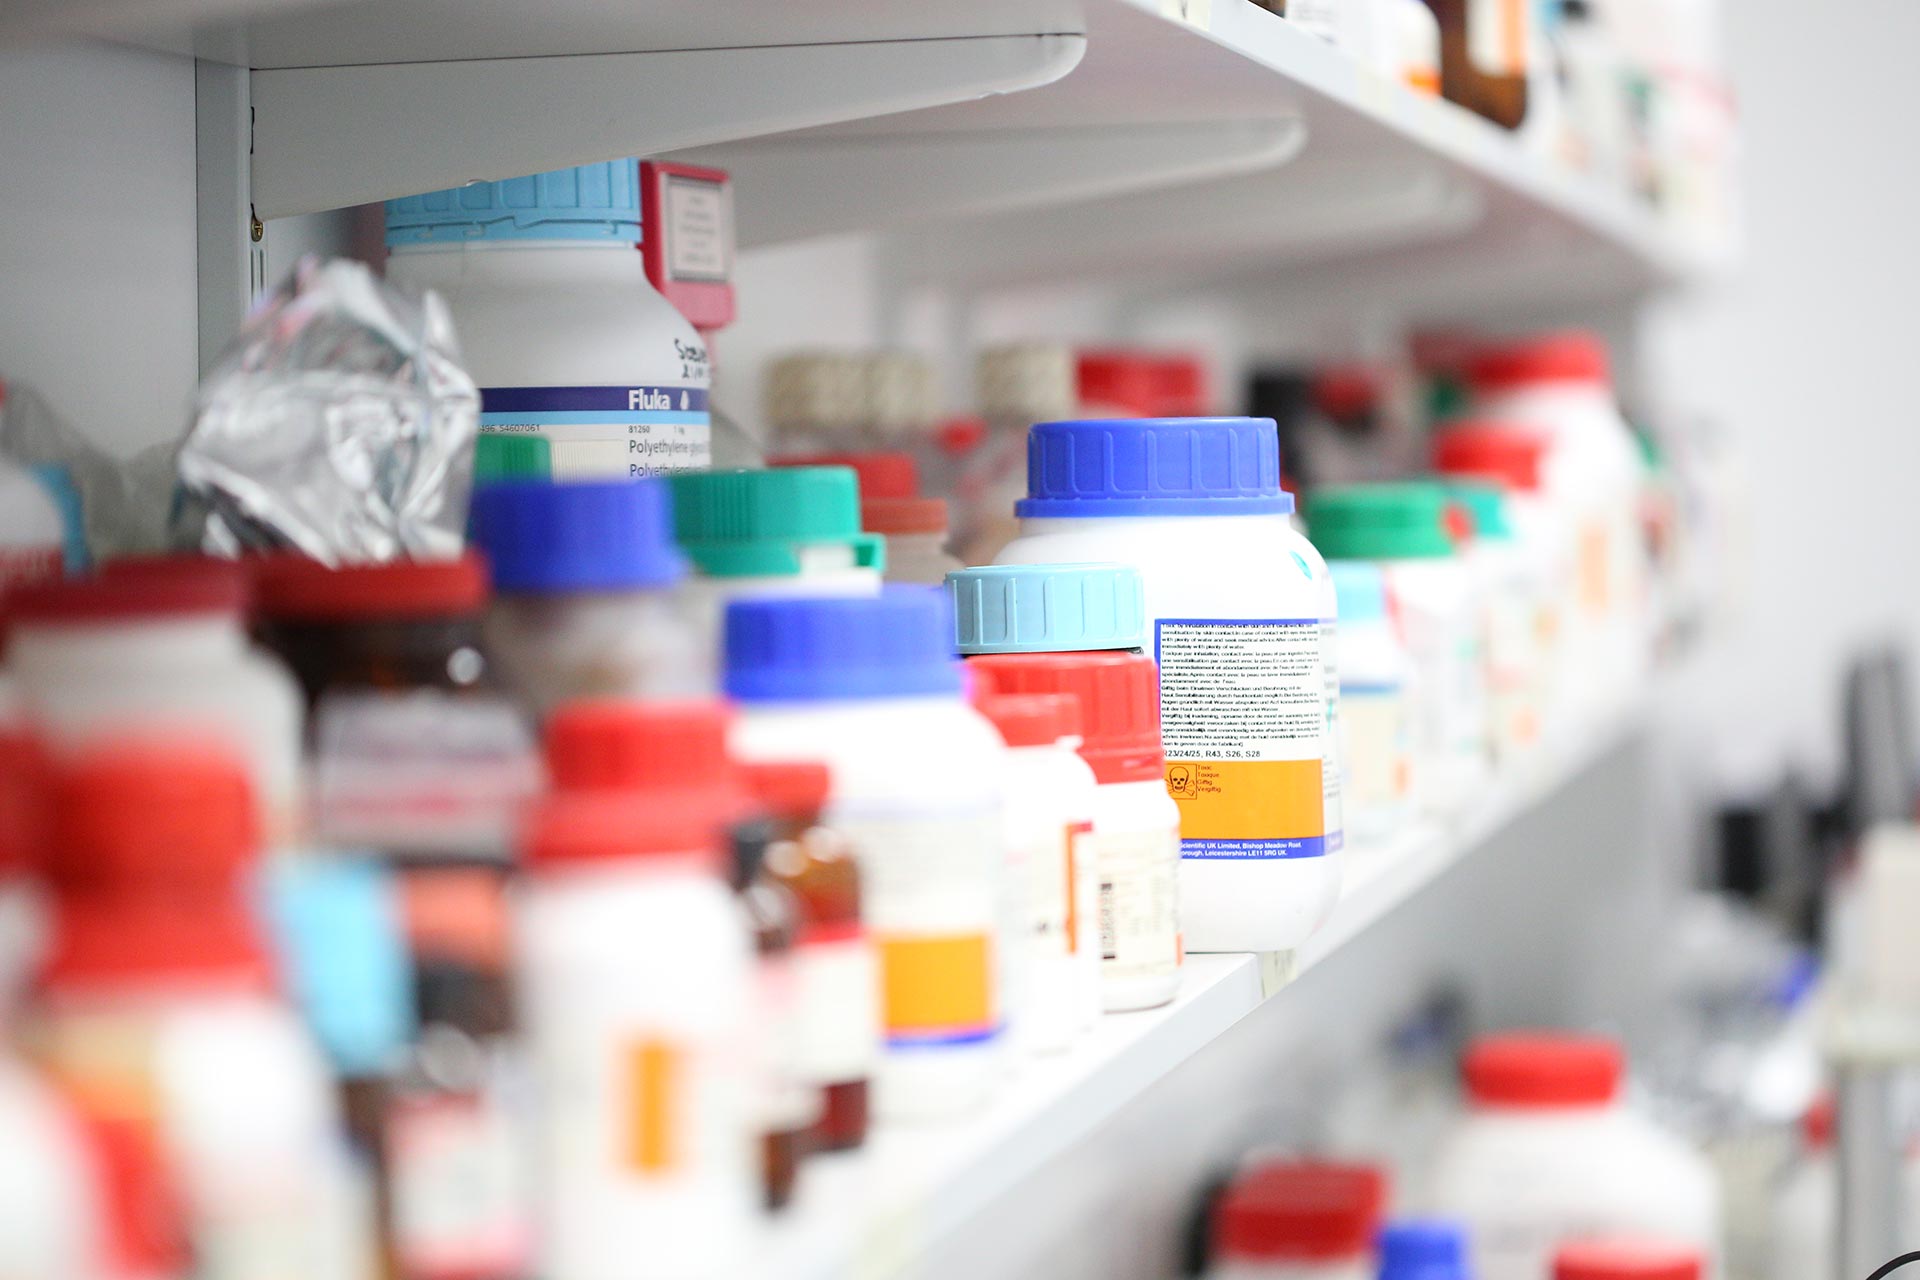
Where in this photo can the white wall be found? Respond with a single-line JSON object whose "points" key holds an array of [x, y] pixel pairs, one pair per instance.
{"points": [[97, 296], [1806, 360]]}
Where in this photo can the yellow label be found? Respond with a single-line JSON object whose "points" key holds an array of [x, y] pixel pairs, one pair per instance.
{"points": [[654, 1088], [1594, 575], [1255, 802], [937, 986]]}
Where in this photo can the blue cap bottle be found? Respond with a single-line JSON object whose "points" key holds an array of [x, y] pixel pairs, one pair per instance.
{"points": [[1424, 1249]]}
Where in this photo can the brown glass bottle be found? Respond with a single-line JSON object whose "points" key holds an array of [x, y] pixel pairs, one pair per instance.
{"points": [[790, 1108], [418, 755], [1499, 94], [836, 975]]}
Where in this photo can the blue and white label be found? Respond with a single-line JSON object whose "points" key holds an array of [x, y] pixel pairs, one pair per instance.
{"points": [[607, 431]]}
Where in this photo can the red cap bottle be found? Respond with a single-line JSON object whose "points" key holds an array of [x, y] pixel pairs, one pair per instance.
{"points": [[1119, 696]]}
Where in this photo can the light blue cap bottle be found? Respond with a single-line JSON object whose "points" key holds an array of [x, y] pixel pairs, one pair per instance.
{"points": [[1361, 588], [337, 929], [1047, 608], [585, 202]]}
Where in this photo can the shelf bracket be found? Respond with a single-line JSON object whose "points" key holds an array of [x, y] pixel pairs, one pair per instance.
{"points": [[325, 137], [795, 187]]}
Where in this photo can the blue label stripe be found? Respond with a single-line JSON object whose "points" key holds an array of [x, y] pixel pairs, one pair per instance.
{"points": [[1370, 690], [942, 1039], [593, 418], [1249, 850], [598, 400]]}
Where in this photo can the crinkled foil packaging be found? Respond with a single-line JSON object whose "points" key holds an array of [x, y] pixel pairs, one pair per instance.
{"points": [[339, 423]]}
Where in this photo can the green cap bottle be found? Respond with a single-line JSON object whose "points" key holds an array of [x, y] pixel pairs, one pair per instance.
{"points": [[1405, 521], [756, 524]]}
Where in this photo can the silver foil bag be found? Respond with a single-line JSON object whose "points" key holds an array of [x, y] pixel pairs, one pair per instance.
{"points": [[339, 423]]}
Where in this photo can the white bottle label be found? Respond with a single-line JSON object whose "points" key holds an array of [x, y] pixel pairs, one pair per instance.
{"points": [[1243, 711], [1330, 738], [1498, 35], [1379, 764], [459, 1207], [931, 904], [612, 431], [1048, 860], [1321, 17], [1139, 902], [791, 1102], [837, 985], [425, 772], [699, 229]]}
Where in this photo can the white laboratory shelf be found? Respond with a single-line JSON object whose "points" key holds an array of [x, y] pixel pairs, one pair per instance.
{"points": [[1005, 140], [874, 1212]]}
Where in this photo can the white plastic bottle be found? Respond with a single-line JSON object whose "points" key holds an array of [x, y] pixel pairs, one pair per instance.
{"points": [[916, 528], [158, 1007], [1051, 799], [1543, 534], [637, 972], [1235, 601], [1297, 1221], [159, 642], [1134, 844], [558, 324], [1509, 593], [868, 686], [1561, 384], [1547, 1152], [32, 531], [782, 532], [1404, 528], [1376, 706], [584, 603]]}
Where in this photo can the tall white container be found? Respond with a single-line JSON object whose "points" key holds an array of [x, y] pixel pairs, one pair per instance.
{"points": [[868, 686], [636, 969], [557, 322], [1561, 384], [1235, 601], [1548, 1152]]}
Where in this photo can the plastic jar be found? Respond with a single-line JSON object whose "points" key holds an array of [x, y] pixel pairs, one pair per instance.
{"points": [[1306, 1221], [1423, 1249], [1547, 1152], [416, 752], [558, 324], [835, 970], [636, 973], [1377, 696], [33, 532], [1509, 594], [647, 750], [1052, 797], [1236, 604], [584, 606], [159, 642], [1637, 1258], [158, 1008], [1560, 384], [1054, 608], [891, 505], [868, 685], [1543, 536], [1404, 528], [791, 531], [1134, 844]]}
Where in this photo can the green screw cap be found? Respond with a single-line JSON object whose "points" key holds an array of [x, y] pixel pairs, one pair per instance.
{"points": [[1380, 522], [741, 524], [498, 457]]}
